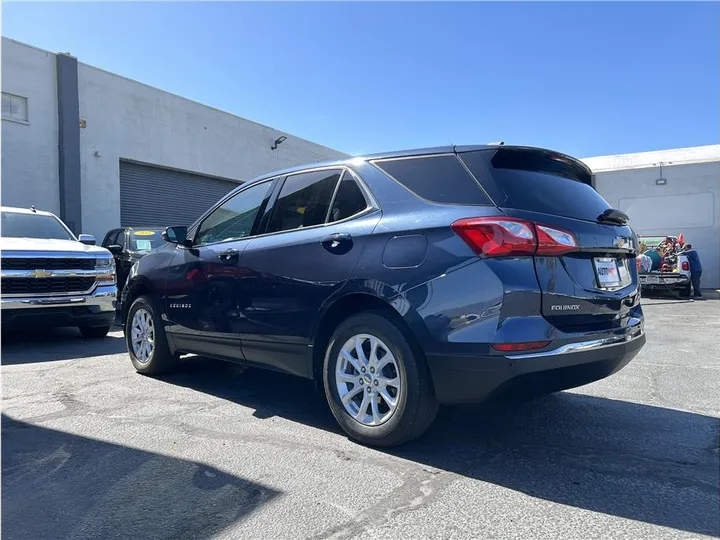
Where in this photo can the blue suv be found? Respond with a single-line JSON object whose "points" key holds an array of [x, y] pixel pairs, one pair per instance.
{"points": [[400, 281]]}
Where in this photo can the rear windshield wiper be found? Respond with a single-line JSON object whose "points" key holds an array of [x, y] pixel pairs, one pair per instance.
{"points": [[613, 216]]}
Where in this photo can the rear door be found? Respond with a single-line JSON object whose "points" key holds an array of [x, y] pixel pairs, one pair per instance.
{"points": [[314, 237], [591, 288]]}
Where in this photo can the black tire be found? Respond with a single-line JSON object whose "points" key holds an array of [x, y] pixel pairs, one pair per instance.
{"points": [[94, 332], [686, 292], [416, 408], [160, 360]]}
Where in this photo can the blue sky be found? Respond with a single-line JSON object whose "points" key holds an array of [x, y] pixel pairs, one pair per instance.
{"points": [[583, 78]]}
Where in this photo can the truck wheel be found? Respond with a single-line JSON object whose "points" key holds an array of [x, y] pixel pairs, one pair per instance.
{"points": [[378, 389], [146, 340], [94, 332], [686, 292]]}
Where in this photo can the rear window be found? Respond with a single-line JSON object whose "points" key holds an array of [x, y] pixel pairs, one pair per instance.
{"points": [[537, 182], [441, 179]]}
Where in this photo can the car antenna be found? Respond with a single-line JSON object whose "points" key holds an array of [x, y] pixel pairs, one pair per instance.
{"points": [[32, 209]]}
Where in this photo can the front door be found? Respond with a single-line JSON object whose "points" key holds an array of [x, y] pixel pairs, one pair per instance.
{"points": [[316, 233], [202, 282]]}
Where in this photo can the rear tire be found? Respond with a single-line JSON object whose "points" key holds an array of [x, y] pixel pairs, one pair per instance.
{"points": [[686, 292], [94, 332], [146, 340], [387, 390]]}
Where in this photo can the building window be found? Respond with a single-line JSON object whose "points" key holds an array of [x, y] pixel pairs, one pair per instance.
{"points": [[14, 107]]}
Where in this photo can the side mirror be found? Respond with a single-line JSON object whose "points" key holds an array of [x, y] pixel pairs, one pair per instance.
{"points": [[115, 249], [87, 239], [176, 235]]}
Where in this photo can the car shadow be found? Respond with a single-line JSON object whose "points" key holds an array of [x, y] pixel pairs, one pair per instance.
{"points": [[48, 345], [630, 460], [60, 485]]}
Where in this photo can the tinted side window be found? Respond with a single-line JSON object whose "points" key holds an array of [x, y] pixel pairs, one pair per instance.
{"points": [[110, 238], [236, 217], [304, 200], [349, 199], [120, 239], [440, 179]]}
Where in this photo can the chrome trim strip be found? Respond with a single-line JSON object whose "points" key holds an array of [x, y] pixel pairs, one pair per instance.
{"points": [[30, 254], [103, 297], [39, 273], [582, 346]]}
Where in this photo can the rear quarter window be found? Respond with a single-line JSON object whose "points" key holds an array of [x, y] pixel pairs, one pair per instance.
{"points": [[440, 179]]}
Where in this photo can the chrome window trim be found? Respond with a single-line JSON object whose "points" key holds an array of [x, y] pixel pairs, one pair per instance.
{"points": [[373, 206]]}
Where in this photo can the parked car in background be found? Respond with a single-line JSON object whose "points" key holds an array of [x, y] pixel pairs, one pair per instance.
{"points": [[400, 281], [50, 278], [130, 244], [667, 269]]}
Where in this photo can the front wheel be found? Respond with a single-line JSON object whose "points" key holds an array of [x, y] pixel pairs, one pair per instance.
{"points": [[378, 389], [146, 340]]}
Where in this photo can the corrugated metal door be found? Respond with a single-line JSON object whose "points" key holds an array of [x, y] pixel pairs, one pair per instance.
{"points": [[152, 196]]}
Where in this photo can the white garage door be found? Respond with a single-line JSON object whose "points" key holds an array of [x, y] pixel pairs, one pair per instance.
{"points": [[153, 196]]}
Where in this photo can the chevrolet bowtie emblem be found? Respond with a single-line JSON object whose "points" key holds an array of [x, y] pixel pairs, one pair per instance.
{"points": [[41, 273]]}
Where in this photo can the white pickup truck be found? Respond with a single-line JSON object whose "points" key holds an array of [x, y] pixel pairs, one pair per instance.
{"points": [[50, 278]]}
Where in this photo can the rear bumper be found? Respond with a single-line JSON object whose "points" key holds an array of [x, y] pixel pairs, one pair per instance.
{"points": [[96, 309], [472, 379], [665, 281]]}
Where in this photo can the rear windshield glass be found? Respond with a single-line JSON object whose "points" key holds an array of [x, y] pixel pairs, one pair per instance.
{"points": [[440, 179], [537, 183], [17, 225]]}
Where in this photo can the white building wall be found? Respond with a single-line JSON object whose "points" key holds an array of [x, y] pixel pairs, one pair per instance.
{"points": [[132, 121], [30, 151], [688, 203]]}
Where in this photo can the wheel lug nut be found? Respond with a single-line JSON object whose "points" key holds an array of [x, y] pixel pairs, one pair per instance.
{"points": [[369, 389], [372, 370], [362, 369], [376, 382]]}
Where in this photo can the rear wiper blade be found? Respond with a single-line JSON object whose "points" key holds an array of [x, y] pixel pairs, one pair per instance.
{"points": [[613, 216]]}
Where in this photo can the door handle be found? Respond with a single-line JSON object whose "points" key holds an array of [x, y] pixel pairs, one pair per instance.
{"points": [[228, 256], [338, 243]]}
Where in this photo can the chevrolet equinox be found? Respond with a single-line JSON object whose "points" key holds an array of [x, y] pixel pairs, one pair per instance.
{"points": [[399, 282]]}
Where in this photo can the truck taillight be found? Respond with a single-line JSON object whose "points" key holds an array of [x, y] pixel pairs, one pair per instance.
{"points": [[685, 266], [502, 237]]}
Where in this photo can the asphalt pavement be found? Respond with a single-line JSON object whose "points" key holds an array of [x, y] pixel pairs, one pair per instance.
{"points": [[90, 449]]}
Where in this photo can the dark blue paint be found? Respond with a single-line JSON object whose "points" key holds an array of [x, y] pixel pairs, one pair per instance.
{"points": [[267, 305]]}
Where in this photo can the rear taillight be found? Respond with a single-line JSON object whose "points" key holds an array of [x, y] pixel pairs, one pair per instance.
{"points": [[685, 266], [516, 347], [493, 237], [553, 241], [500, 237]]}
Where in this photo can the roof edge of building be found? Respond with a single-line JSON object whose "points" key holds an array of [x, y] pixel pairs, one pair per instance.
{"points": [[654, 158]]}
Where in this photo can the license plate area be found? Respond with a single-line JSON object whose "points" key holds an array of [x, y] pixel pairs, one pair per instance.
{"points": [[651, 280], [611, 273]]}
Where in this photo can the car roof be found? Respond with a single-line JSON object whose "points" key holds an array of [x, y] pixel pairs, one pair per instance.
{"points": [[428, 151], [17, 210]]}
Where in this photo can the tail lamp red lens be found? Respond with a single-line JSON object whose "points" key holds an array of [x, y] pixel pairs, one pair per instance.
{"points": [[500, 237], [685, 266], [518, 347]]}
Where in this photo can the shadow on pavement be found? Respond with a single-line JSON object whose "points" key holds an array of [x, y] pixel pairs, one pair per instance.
{"points": [[640, 462], [59, 485], [47, 345]]}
